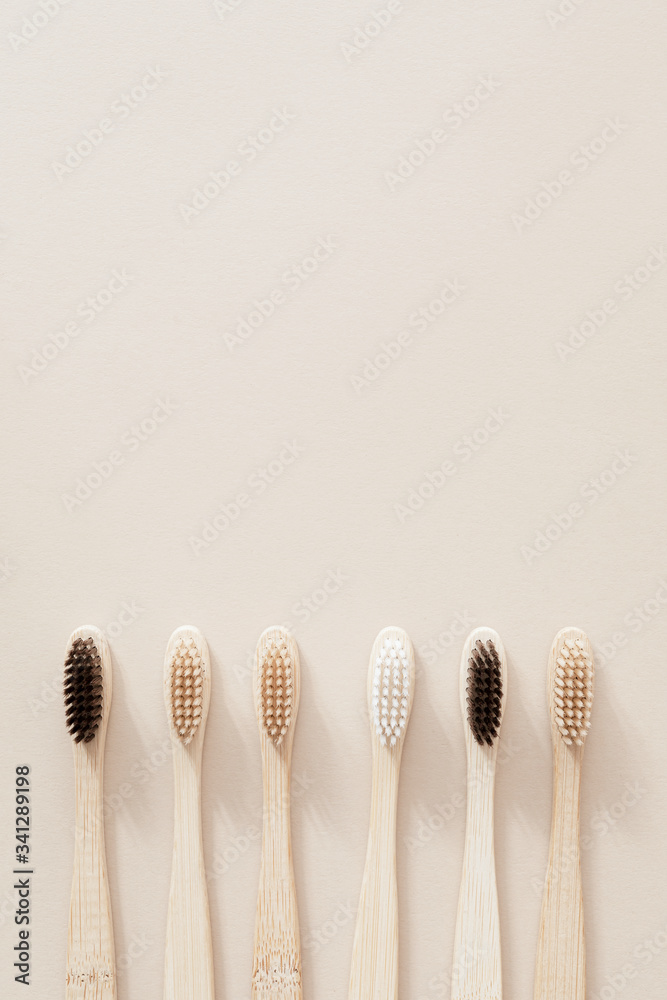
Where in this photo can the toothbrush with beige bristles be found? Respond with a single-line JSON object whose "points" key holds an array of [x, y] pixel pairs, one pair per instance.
{"points": [[561, 956], [276, 973], [188, 973], [477, 972], [91, 969], [390, 692]]}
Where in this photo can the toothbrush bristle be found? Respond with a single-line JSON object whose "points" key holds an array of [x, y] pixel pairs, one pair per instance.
{"points": [[186, 688], [573, 691], [83, 690], [276, 695], [484, 692], [391, 692]]}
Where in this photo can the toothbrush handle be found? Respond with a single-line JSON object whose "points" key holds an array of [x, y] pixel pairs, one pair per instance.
{"points": [[477, 962], [91, 968], [374, 974], [561, 956], [277, 959], [189, 950]]}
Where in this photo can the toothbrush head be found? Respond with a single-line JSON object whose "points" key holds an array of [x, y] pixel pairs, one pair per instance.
{"points": [[484, 692], [185, 676], [84, 694], [392, 686], [277, 669], [572, 694]]}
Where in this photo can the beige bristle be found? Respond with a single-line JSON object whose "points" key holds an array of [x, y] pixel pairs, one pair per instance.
{"points": [[186, 689], [573, 691], [276, 679]]}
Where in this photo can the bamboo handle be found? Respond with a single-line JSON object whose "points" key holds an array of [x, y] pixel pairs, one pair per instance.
{"points": [[91, 967], [189, 950], [374, 973], [561, 957], [390, 692], [476, 968], [277, 971]]}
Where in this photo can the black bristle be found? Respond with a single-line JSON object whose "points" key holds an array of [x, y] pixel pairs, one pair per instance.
{"points": [[83, 690], [485, 691]]}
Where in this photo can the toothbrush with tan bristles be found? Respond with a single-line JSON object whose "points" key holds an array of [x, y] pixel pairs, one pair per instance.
{"points": [[188, 973], [390, 692], [477, 972], [561, 956], [276, 971], [91, 969]]}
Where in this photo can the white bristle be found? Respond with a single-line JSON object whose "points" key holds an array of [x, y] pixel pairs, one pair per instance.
{"points": [[391, 692], [573, 692]]}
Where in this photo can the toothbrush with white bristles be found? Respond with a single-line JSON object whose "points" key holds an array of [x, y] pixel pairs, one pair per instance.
{"points": [[391, 686]]}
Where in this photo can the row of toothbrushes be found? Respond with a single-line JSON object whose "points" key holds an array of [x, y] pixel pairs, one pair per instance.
{"points": [[276, 683]]}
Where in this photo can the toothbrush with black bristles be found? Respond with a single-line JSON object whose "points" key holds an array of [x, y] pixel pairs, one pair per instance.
{"points": [[476, 973], [91, 970]]}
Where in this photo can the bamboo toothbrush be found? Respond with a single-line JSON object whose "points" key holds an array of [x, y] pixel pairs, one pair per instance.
{"points": [[561, 955], [476, 973], [91, 967], [277, 960], [391, 686], [187, 693]]}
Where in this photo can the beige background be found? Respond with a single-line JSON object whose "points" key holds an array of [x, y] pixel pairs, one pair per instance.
{"points": [[552, 88]]}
